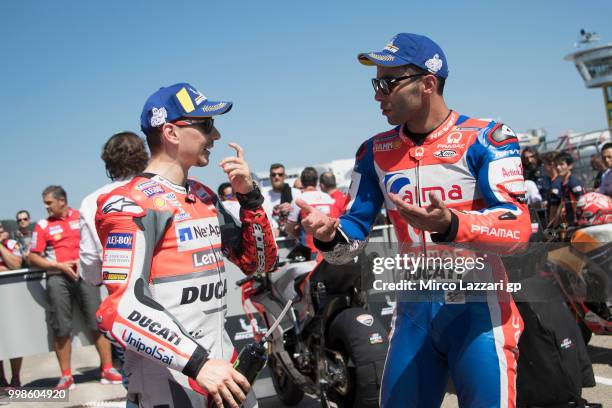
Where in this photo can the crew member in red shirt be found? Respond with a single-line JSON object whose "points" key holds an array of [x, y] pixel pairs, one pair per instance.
{"points": [[55, 248], [316, 199], [327, 184]]}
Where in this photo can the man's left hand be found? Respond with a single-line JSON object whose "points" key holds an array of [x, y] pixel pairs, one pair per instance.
{"points": [[237, 171], [434, 218]]}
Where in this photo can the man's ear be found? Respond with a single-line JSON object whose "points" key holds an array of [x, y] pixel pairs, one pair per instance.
{"points": [[169, 134], [430, 83]]}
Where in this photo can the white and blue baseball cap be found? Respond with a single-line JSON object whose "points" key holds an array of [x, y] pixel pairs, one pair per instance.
{"points": [[407, 48], [178, 101]]}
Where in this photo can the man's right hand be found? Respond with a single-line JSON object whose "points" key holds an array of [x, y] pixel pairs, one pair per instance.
{"points": [[219, 378], [69, 269], [317, 223]]}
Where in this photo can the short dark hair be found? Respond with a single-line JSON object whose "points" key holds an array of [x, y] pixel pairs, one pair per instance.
{"points": [[564, 157], [606, 146], [124, 155], [276, 166], [154, 137], [549, 157], [328, 179], [57, 191], [222, 187], [308, 177], [22, 211], [418, 70]]}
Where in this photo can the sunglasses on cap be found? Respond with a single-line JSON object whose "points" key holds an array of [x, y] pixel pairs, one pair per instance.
{"points": [[204, 125]]}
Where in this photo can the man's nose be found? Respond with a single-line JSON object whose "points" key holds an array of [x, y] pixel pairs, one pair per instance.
{"points": [[379, 96], [216, 134]]}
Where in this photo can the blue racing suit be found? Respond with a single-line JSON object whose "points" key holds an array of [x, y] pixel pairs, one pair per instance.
{"points": [[474, 167]]}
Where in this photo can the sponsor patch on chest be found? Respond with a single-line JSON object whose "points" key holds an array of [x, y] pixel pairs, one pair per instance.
{"points": [[198, 233]]}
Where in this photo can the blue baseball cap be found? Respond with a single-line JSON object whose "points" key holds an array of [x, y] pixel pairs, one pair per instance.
{"points": [[178, 101], [406, 48]]}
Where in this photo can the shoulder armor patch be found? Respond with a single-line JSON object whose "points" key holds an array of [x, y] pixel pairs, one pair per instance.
{"points": [[501, 135]]}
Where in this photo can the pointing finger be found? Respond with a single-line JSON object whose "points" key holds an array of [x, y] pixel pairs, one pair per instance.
{"points": [[238, 149]]}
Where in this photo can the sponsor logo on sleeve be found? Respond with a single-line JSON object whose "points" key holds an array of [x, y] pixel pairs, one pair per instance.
{"points": [[119, 240], [385, 146], [75, 224], [496, 232], [113, 276], [154, 327], [117, 258], [144, 345], [120, 204], [258, 234]]}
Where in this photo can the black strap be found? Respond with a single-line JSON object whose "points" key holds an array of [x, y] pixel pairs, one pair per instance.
{"points": [[286, 196]]}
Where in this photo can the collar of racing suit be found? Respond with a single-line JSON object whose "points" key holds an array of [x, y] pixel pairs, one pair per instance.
{"points": [[419, 139]]}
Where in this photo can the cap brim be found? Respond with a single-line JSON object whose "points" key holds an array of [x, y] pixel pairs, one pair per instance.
{"points": [[210, 108], [383, 58]]}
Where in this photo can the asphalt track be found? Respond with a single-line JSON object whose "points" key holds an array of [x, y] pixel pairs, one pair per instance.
{"points": [[42, 371]]}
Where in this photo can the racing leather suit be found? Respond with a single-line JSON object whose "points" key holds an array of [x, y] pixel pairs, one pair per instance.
{"points": [[162, 265], [474, 167]]}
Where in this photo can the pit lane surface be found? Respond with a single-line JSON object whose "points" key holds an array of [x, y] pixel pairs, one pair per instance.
{"points": [[42, 371]]}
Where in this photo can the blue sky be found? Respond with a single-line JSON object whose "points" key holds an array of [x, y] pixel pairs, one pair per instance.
{"points": [[74, 72]]}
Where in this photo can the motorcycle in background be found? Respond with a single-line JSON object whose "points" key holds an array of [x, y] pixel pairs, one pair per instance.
{"points": [[329, 344], [583, 270]]}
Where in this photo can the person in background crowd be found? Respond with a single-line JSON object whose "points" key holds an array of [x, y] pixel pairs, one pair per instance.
{"points": [[277, 200], [606, 178], [124, 155], [10, 253], [229, 200], [550, 175], [297, 184], [564, 192], [23, 233], [316, 199], [55, 248], [532, 165], [598, 165], [327, 184], [10, 258]]}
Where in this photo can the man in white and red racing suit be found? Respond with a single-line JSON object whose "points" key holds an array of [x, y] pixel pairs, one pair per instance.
{"points": [[443, 177], [163, 265]]}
